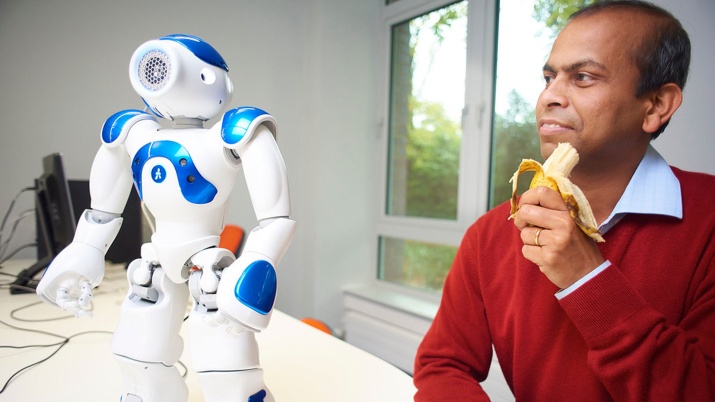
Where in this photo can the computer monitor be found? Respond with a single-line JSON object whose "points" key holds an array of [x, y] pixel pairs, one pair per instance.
{"points": [[56, 221]]}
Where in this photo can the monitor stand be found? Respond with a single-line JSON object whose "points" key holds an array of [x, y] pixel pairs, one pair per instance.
{"points": [[26, 282]]}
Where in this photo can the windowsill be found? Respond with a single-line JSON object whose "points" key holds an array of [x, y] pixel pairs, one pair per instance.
{"points": [[400, 300]]}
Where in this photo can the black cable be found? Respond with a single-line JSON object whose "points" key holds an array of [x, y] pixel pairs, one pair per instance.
{"points": [[186, 369], [4, 245], [9, 209], [14, 286], [29, 366], [17, 250], [7, 274], [65, 340], [12, 204], [62, 343], [39, 302]]}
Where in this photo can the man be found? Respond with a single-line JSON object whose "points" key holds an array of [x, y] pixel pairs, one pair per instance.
{"points": [[570, 319]]}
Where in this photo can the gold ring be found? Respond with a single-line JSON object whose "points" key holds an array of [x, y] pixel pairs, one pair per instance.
{"points": [[536, 237]]}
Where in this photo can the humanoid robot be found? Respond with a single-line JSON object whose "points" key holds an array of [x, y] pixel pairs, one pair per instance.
{"points": [[184, 174]]}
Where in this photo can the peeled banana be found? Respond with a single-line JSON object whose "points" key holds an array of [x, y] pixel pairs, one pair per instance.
{"points": [[554, 174]]}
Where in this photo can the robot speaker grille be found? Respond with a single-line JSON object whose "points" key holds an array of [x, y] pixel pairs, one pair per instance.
{"points": [[154, 70]]}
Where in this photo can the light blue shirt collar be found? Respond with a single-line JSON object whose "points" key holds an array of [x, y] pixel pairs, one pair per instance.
{"points": [[653, 189]]}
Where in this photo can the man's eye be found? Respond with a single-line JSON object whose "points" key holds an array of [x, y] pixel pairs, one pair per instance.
{"points": [[548, 79], [583, 77]]}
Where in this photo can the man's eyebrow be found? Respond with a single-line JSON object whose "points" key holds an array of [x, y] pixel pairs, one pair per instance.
{"points": [[576, 66]]}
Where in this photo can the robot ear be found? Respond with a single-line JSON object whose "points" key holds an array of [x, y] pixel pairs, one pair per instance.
{"points": [[154, 69]]}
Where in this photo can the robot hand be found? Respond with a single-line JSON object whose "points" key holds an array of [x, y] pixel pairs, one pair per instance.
{"points": [[70, 278], [247, 289], [246, 294]]}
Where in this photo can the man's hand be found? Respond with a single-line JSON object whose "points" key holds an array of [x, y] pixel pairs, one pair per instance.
{"points": [[564, 253]]}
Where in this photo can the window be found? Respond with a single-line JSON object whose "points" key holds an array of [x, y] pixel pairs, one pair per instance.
{"points": [[459, 112]]}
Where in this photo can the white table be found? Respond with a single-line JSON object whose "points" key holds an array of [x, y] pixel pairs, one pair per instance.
{"points": [[301, 363]]}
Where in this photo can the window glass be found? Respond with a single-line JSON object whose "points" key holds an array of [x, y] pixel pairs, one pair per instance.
{"points": [[416, 264], [426, 101]]}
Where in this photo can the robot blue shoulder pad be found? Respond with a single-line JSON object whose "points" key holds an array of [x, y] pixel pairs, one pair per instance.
{"points": [[238, 124], [199, 48], [117, 125]]}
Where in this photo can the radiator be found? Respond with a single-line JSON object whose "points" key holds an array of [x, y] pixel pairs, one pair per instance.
{"points": [[387, 341], [386, 324], [392, 327]]}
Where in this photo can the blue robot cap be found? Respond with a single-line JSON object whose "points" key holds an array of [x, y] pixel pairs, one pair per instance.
{"points": [[199, 48]]}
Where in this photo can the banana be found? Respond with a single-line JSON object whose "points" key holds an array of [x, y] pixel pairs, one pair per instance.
{"points": [[554, 174]]}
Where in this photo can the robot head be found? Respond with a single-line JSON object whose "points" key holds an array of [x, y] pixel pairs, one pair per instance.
{"points": [[181, 76]]}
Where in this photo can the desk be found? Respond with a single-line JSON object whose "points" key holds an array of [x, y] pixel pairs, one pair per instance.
{"points": [[300, 362]]}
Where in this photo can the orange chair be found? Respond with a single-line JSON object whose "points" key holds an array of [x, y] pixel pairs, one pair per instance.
{"points": [[315, 323], [232, 239]]}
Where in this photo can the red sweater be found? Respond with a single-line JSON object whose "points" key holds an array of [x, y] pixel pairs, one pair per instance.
{"points": [[643, 329]]}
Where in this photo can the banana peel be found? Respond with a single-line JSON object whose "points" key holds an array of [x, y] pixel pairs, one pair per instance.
{"points": [[554, 174]]}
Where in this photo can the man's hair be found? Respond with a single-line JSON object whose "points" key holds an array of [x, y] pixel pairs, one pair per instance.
{"points": [[663, 55]]}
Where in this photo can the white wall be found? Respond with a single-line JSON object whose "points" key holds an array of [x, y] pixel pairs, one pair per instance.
{"points": [[311, 63], [689, 140]]}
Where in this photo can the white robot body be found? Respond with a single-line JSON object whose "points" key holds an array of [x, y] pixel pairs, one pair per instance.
{"points": [[192, 174], [184, 174]]}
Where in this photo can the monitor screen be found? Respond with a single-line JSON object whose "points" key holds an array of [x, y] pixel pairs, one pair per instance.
{"points": [[54, 205], [55, 217]]}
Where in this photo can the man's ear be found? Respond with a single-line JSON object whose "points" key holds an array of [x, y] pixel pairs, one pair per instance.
{"points": [[662, 103]]}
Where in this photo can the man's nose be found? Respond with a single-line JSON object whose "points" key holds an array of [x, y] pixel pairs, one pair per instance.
{"points": [[555, 94]]}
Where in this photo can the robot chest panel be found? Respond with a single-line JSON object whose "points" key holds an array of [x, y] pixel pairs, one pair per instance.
{"points": [[177, 171]]}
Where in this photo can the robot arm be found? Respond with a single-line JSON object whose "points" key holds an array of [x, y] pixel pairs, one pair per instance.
{"points": [[69, 279], [247, 290]]}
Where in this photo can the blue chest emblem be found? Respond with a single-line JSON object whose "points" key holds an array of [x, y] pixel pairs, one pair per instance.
{"points": [[194, 187], [158, 174]]}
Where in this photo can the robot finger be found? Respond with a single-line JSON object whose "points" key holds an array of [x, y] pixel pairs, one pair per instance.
{"points": [[67, 303], [230, 325], [85, 296], [217, 319], [64, 301], [235, 330], [71, 305]]}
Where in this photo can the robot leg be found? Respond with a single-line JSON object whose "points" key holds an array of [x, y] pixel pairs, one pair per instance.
{"points": [[149, 382], [226, 364], [147, 341]]}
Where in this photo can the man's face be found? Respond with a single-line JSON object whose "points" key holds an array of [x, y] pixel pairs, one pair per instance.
{"points": [[589, 99]]}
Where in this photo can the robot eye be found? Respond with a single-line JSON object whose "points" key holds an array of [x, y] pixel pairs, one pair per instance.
{"points": [[208, 76], [154, 70]]}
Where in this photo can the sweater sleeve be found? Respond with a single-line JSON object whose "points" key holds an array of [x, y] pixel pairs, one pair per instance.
{"points": [[455, 354], [635, 353]]}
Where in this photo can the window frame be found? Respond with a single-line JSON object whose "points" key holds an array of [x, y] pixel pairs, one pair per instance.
{"points": [[475, 152]]}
